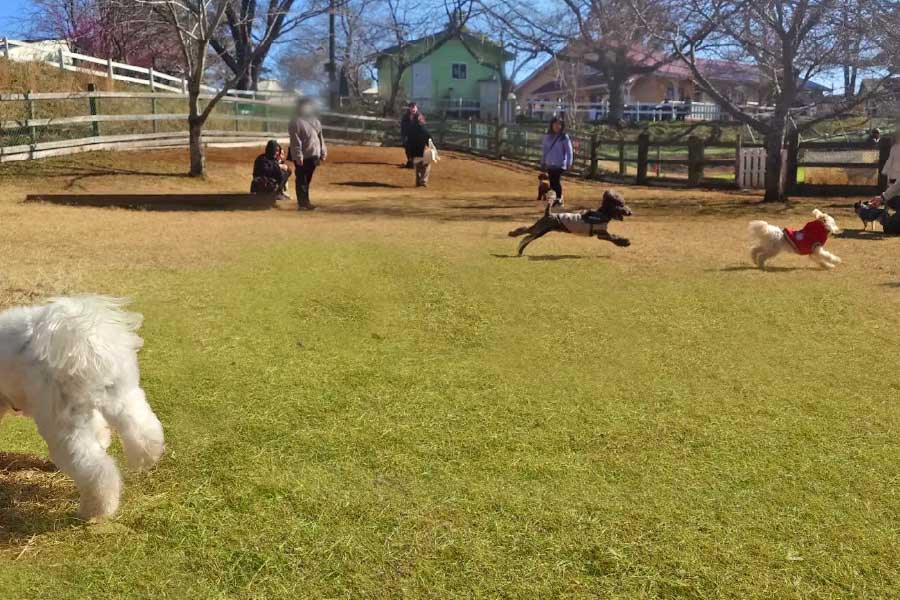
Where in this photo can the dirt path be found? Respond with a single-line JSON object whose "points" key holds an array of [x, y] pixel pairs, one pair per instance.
{"points": [[469, 206]]}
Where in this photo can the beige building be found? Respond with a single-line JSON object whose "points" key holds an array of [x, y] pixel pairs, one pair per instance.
{"points": [[560, 83]]}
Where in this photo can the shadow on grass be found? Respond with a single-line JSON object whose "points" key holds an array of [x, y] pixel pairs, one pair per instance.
{"points": [[859, 234], [363, 162], [892, 284], [162, 202], [368, 184], [545, 257], [736, 268], [555, 257], [34, 499]]}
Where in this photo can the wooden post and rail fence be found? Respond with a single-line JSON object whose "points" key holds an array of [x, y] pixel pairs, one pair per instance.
{"points": [[39, 125]]}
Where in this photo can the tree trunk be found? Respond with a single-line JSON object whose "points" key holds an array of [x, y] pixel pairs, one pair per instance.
{"points": [[616, 112], [195, 136], [391, 105], [774, 142]]}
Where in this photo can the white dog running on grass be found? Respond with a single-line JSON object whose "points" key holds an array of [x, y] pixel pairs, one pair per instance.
{"points": [[767, 241], [71, 365]]}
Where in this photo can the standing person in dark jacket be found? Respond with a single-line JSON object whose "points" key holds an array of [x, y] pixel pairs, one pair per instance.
{"points": [[409, 118], [556, 155], [308, 149], [417, 140], [270, 174]]}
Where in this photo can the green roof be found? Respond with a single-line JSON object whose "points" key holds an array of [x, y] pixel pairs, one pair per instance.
{"points": [[469, 37]]}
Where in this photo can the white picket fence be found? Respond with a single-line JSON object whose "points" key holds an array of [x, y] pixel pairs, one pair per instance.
{"points": [[58, 55], [752, 168], [634, 111]]}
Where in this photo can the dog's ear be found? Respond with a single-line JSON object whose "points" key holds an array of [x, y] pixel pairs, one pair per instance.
{"points": [[612, 196]]}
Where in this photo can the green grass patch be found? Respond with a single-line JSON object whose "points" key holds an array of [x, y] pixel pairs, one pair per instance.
{"points": [[372, 420]]}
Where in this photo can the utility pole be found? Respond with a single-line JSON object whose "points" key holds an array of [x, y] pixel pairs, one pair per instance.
{"points": [[333, 99]]}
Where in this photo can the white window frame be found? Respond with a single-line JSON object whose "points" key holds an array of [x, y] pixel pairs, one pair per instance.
{"points": [[453, 68]]}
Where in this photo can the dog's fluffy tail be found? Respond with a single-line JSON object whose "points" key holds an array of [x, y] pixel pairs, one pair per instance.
{"points": [[518, 231], [760, 230], [82, 338]]}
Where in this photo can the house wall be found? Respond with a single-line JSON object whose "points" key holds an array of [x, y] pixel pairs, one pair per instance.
{"points": [[547, 73], [653, 88], [46, 50], [441, 61]]}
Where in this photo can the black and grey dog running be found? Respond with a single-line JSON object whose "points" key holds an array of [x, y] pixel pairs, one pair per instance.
{"points": [[588, 223]]}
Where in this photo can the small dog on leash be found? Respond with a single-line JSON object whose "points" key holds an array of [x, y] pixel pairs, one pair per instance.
{"points": [[767, 241], [586, 223], [868, 214], [545, 195], [71, 365]]}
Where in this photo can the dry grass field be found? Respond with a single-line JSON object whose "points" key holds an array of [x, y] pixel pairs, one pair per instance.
{"points": [[377, 399]]}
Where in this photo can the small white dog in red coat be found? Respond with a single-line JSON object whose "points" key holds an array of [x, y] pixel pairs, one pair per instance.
{"points": [[767, 241], [71, 365]]}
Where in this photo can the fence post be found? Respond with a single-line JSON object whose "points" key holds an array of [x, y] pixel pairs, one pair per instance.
{"points": [[62, 59], [267, 114], [153, 112], [237, 113], [6, 48], [738, 150], [92, 103], [31, 116], [643, 155], [622, 168], [695, 161], [884, 152], [793, 157], [152, 79], [442, 131], [501, 135]]}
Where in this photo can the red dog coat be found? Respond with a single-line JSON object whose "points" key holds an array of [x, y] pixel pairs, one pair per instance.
{"points": [[805, 240]]}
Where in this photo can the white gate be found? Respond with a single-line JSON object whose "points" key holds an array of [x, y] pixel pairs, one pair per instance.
{"points": [[752, 168]]}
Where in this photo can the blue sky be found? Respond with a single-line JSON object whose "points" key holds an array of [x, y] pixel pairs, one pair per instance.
{"points": [[10, 13]]}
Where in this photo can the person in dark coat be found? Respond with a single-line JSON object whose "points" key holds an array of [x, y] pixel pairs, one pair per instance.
{"points": [[270, 174], [417, 140], [408, 120]]}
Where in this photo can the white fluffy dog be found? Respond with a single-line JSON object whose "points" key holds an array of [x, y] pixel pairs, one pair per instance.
{"points": [[72, 366], [767, 241]]}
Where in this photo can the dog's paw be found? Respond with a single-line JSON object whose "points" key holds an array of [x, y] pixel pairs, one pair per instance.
{"points": [[624, 243]]}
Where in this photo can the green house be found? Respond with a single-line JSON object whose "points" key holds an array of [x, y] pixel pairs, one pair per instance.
{"points": [[459, 75]]}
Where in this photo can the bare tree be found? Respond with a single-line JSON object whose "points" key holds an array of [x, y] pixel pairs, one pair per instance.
{"points": [[789, 43], [106, 29], [359, 33], [194, 23], [854, 27], [614, 38], [523, 54], [245, 39]]}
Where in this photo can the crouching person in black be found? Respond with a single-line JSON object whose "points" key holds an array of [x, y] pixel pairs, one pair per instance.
{"points": [[270, 173]]}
